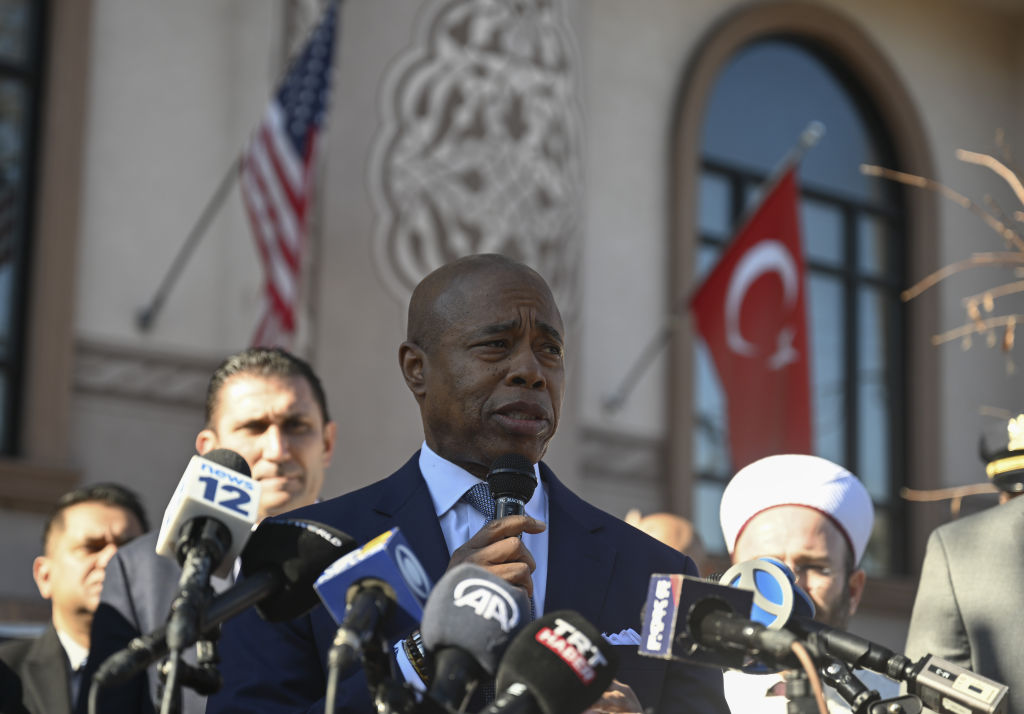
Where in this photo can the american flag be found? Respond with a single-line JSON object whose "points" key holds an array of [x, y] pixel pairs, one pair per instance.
{"points": [[277, 179]]}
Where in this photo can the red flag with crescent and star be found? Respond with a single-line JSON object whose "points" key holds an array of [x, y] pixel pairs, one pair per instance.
{"points": [[751, 313]]}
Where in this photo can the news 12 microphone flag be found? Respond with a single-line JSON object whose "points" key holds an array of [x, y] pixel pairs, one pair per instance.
{"points": [[751, 312], [276, 176]]}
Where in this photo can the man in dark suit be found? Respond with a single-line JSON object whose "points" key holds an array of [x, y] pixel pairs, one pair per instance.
{"points": [[268, 406], [82, 533], [484, 359]]}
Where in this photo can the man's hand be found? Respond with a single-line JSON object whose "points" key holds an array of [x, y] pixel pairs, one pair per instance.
{"points": [[497, 548], [617, 698]]}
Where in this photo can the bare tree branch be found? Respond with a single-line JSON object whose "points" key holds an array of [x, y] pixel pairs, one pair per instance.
{"points": [[976, 260]]}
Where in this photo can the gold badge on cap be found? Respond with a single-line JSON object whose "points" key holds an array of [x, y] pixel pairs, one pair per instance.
{"points": [[1015, 442]]}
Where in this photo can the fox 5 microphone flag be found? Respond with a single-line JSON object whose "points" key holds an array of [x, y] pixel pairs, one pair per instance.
{"points": [[276, 176], [751, 313]]}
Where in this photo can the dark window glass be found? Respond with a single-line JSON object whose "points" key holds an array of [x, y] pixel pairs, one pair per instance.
{"points": [[20, 76]]}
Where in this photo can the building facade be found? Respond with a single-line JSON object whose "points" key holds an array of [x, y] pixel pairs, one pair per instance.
{"points": [[612, 144]]}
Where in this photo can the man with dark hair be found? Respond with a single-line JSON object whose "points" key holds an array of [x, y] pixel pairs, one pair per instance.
{"points": [[484, 359], [81, 534], [268, 406]]}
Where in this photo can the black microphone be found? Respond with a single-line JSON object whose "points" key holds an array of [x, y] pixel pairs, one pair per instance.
{"points": [[280, 562], [468, 621], [205, 525], [666, 633], [512, 482], [712, 623], [558, 664]]}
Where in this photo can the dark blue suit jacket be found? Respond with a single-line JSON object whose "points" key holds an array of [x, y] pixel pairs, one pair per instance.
{"points": [[138, 590], [36, 677], [597, 565]]}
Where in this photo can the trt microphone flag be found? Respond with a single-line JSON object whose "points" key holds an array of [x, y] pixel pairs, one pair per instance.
{"points": [[751, 313], [276, 178]]}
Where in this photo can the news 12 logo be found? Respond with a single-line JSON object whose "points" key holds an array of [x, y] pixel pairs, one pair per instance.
{"points": [[488, 601], [225, 488], [660, 616]]}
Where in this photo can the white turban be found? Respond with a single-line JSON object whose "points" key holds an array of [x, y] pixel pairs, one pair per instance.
{"points": [[798, 480]]}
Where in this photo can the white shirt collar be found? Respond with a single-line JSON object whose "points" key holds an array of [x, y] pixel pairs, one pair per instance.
{"points": [[75, 652]]}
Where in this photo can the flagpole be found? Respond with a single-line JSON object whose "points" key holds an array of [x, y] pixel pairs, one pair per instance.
{"points": [[614, 400], [145, 316]]}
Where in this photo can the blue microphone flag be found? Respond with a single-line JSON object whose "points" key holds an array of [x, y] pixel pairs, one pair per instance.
{"points": [[388, 559]]}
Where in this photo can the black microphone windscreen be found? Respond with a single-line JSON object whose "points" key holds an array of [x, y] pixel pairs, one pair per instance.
{"points": [[512, 475], [298, 551], [562, 660], [475, 610], [230, 459]]}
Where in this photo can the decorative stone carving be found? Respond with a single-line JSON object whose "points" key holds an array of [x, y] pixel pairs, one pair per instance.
{"points": [[479, 148]]}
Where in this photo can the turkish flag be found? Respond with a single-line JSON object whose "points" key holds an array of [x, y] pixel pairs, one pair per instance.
{"points": [[751, 313]]}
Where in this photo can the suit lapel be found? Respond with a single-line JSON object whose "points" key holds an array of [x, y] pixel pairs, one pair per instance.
{"points": [[579, 565], [45, 678], [406, 503]]}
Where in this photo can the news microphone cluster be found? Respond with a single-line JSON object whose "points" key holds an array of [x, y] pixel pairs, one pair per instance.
{"points": [[280, 563], [689, 618]]}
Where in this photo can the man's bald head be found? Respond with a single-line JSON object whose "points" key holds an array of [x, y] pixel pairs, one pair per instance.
{"points": [[484, 358], [441, 298]]}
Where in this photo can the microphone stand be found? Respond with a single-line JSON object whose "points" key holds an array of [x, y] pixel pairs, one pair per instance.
{"points": [[840, 676], [204, 678], [798, 693]]}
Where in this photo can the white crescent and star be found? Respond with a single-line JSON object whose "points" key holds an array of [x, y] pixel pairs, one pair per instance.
{"points": [[768, 256]]}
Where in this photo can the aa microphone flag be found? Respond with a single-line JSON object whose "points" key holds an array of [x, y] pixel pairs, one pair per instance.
{"points": [[751, 313], [277, 179]]}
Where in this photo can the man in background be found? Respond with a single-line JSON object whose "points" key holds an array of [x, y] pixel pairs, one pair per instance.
{"points": [[816, 517], [971, 579], [672, 530], [268, 406], [81, 535]]}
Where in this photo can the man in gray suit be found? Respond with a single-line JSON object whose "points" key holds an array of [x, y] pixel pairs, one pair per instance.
{"points": [[267, 405], [80, 536], [971, 579]]}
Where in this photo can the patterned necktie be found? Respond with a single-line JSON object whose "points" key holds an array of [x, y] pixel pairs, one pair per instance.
{"points": [[479, 497]]}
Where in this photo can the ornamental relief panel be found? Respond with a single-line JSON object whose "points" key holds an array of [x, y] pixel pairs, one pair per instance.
{"points": [[479, 148]]}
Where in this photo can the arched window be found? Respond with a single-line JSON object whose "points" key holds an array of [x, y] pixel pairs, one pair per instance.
{"points": [[853, 232]]}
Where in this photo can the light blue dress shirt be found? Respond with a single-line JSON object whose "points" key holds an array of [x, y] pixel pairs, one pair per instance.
{"points": [[460, 521]]}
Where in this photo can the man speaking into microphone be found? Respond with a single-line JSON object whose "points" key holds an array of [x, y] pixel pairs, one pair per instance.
{"points": [[484, 359]]}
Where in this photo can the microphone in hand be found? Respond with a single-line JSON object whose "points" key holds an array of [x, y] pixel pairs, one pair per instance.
{"points": [[512, 482]]}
